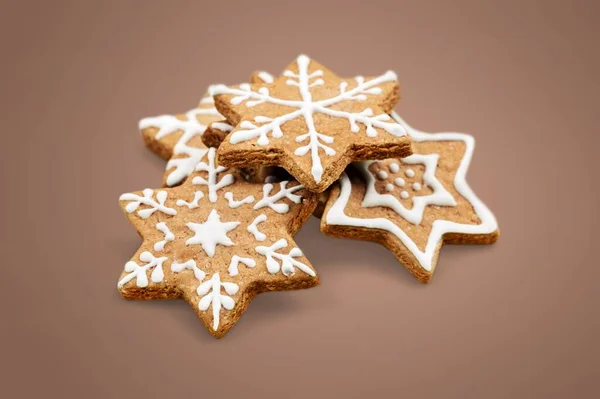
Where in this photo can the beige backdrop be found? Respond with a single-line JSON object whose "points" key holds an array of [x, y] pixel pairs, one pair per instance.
{"points": [[518, 319]]}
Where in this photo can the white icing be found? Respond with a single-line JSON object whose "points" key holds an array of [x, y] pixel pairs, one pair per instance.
{"points": [[389, 187], [394, 167], [284, 192], [382, 175], [306, 108], [399, 182], [235, 261], [177, 267], [185, 158], [409, 173], [198, 195], [148, 200], [288, 263], [213, 171], [253, 227], [168, 236], [139, 272], [416, 186], [211, 233], [210, 293], [336, 215], [234, 204], [222, 126], [265, 77], [440, 195]]}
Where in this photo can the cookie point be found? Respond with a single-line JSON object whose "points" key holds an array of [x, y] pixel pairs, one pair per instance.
{"points": [[303, 58], [391, 75], [216, 89]]}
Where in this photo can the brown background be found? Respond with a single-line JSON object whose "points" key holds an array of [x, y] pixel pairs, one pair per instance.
{"points": [[518, 319]]}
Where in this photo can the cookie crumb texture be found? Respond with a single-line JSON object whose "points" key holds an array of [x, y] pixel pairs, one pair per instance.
{"points": [[216, 241], [311, 122], [412, 205]]}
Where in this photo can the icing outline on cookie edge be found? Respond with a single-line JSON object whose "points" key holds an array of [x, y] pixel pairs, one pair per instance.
{"points": [[336, 216]]}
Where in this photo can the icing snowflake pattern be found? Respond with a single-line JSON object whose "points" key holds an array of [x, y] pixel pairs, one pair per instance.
{"points": [[208, 240], [313, 141], [211, 181], [147, 198], [139, 273], [194, 123]]}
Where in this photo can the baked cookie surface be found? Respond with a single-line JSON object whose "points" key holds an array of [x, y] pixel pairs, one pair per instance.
{"points": [[216, 241], [179, 138], [311, 122], [412, 205]]}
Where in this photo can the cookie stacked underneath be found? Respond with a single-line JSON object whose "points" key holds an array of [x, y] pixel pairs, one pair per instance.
{"points": [[252, 162]]}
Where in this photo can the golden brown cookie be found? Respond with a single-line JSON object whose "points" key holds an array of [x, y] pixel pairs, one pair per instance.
{"points": [[216, 133], [178, 138], [311, 122], [412, 205], [216, 241]]}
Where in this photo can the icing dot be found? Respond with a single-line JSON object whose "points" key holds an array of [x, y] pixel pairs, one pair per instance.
{"points": [[409, 173], [389, 187], [394, 168], [416, 186], [404, 194], [382, 175], [399, 182]]}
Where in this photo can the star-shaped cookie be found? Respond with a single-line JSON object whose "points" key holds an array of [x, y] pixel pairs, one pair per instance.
{"points": [[311, 122], [178, 138], [413, 205], [216, 241]]}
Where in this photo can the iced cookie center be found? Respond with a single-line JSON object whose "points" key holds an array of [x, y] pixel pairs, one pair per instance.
{"points": [[211, 233], [404, 181]]}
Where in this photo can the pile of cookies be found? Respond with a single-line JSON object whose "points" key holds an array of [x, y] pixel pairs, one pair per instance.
{"points": [[252, 162]]}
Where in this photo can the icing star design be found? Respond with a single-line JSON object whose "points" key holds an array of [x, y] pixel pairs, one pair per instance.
{"points": [[245, 230], [211, 233], [410, 208], [178, 138], [413, 205], [311, 122]]}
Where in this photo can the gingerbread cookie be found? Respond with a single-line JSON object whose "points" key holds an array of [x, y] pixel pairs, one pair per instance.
{"points": [[413, 205], [178, 138], [213, 137], [311, 122], [216, 132], [216, 241]]}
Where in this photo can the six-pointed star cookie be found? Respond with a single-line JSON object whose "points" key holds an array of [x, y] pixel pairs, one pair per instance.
{"points": [[216, 241], [413, 205], [178, 138], [311, 122]]}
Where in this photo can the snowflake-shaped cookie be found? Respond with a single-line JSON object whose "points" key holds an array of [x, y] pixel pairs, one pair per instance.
{"points": [[178, 138], [216, 241], [413, 205], [311, 122]]}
